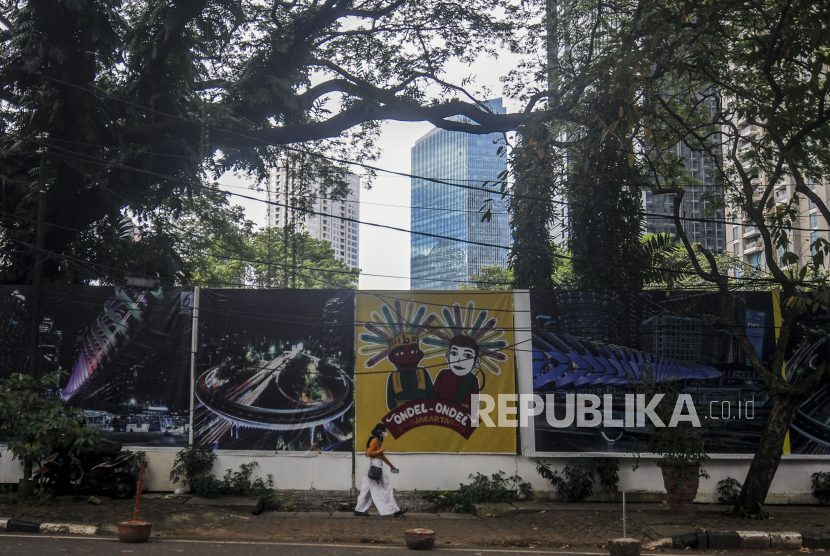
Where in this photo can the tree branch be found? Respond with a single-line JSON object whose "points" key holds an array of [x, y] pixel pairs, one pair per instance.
{"points": [[486, 122]]}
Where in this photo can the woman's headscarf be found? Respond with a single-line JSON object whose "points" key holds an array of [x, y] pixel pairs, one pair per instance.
{"points": [[376, 433]]}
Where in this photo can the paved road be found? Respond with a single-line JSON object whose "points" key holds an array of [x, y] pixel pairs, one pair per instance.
{"points": [[26, 545]]}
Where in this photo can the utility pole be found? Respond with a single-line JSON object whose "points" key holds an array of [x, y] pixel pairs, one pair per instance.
{"points": [[34, 324], [37, 271]]}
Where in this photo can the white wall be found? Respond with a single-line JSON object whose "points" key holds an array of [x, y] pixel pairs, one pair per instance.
{"points": [[11, 470], [291, 471], [447, 471], [333, 471]]}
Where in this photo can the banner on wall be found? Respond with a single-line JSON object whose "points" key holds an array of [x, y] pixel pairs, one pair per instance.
{"points": [[422, 358], [124, 354], [598, 345], [275, 370]]}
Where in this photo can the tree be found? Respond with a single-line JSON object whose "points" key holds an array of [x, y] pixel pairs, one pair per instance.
{"points": [[273, 258], [142, 103], [723, 69], [37, 424], [491, 278], [532, 212], [571, 166], [745, 82], [305, 262], [605, 221]]}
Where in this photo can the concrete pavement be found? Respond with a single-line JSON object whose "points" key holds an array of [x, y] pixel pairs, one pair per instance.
{"points": [[535, 525]]}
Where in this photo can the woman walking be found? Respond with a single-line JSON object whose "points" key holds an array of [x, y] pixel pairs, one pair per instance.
{"points": [[376, 486]]}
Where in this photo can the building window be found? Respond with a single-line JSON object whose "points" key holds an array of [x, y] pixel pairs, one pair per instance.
{"points": [[735, 233], [814, 220], [755, 260], [813, 239]]}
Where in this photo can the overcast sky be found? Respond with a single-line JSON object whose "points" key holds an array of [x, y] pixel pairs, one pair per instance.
{"points": [[384, 254]]}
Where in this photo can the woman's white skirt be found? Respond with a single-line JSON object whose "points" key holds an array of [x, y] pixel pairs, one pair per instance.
{"points": [[379, 492]]}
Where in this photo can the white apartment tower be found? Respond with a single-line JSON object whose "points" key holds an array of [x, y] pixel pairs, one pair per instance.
{"points": [[745, 239], [327, 220]]}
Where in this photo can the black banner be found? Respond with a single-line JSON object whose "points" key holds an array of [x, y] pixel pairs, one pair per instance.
{"points": [[275, 370], [597, 345], [125, 355]]}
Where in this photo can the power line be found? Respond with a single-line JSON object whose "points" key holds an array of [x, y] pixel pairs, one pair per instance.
{"points": [[353, 220], [361, 164], [443, 181], [311, 153], [104, 162]]}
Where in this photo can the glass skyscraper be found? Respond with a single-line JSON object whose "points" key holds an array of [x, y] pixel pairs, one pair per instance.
{"points": [[455, 212]]}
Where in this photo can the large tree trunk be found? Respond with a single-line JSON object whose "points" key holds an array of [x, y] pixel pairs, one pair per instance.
{"points": [[768, 455]]}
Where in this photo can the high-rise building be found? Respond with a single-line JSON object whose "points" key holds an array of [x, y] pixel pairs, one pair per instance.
{"points": [[453, 209], [696, 201], [329, 220], [745, 239]]}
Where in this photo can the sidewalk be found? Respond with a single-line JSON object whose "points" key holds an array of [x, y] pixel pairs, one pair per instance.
{"points": [[534, 524]]}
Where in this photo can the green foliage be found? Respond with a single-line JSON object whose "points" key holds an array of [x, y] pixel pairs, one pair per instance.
{"points": [[820, 481], [239, 483], [532, 211], [491, 278], [679, 445], [43, 496], [37, 425], [728, 491], [496, 488], [605, 214], [194, 466], [145, 103], [680, 273], [270, 258], [580, 474]]}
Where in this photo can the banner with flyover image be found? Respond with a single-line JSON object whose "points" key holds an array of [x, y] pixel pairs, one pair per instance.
{"points": [[275, 370], [124, 355], [596, 343]]}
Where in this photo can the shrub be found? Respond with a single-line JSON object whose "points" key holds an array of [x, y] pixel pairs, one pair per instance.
{"points": [[496, 488], [194, 465], [821, 486], [580, 476], [36, 426], [728, 491], [677, 446]]}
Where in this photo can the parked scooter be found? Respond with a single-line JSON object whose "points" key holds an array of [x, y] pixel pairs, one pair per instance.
{"points": [[103, 470]]}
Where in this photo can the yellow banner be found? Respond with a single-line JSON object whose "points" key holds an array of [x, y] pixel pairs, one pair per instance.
{"points": [[421, 357]]}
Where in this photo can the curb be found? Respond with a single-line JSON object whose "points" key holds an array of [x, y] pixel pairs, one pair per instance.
{"points": [[21, 526], [742, 540]]}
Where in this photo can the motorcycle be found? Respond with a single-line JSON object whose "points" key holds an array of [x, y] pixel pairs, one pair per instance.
{"points": [[105, 470]]}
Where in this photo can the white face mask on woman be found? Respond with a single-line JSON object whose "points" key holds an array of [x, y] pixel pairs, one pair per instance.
{"points": [[383, 434]]}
